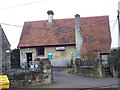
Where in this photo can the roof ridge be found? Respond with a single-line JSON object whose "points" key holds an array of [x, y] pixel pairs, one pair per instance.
{"points": [[67, 18], [47, 20], [95, 16]]}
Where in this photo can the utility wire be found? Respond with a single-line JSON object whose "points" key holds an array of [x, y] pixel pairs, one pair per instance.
{"points": [[10, 25], [18, 5], [19, 26], [37, 28], [113, 20]]}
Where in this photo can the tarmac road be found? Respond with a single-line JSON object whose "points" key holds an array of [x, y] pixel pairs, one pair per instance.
{"points": [[62, 79]]}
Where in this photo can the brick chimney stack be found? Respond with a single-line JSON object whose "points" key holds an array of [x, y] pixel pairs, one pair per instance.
{"points": [[50, 16]]}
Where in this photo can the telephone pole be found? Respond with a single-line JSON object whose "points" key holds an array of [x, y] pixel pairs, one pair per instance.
{"points": [[119, 24]]}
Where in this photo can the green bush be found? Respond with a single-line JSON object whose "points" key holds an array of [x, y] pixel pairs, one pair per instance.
{"points": [[71, 71], [71, 62], [15, 59], [114, 58]]}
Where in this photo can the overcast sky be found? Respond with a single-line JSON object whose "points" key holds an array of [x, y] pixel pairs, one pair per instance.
{"points": [[16, 12]]}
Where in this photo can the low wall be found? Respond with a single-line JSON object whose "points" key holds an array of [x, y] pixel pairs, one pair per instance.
{"points": [[88, 67], [28, 77]]}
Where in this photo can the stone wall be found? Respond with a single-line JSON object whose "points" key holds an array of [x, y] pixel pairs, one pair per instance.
{"points": [[59, 58], [88, 68], [6, 62], [4, 52], [0, 50], [27, 77]]}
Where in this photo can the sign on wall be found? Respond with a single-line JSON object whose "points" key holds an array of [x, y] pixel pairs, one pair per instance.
{"points": [[60, 48], [49, 55], [78, 54]]}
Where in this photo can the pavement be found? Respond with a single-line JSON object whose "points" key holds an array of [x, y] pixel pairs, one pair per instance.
{"points": [[63, 79]]}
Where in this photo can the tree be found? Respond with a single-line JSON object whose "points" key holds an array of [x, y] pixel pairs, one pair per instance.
{"points": [[15, 59], [114, 58]]}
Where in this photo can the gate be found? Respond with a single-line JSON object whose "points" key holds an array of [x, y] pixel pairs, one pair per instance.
{"points": [[106, 68]]}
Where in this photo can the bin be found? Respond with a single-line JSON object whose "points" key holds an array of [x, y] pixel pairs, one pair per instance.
{"points": [[34, 64], [4, 82]]}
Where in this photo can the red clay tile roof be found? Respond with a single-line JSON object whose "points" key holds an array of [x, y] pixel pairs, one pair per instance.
{"points": [[95, 30]]}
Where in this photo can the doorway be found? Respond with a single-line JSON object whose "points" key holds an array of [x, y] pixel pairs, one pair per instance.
{"points": [[29, 58]]}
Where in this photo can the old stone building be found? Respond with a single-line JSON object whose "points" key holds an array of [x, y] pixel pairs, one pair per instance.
{"points": [[5, 63], [61, 39]]}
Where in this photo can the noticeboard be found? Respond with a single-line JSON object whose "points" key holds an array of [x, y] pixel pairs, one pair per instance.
{"points": [[77, 54], [60, 48], [49, 55]]}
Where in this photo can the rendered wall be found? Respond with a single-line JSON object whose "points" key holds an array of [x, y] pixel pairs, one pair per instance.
{"points": [[23, 56], [59, 58]]}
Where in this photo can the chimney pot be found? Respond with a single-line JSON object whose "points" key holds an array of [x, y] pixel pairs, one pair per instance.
{"points": [[50, 16], [77, 15], [77, 22], [50, 12]]}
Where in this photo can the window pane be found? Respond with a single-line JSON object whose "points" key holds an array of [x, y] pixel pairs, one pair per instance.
{"points": [[40, 51]]}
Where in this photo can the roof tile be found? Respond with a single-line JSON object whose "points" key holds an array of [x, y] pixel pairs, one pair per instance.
{"points": [[95, 30]]}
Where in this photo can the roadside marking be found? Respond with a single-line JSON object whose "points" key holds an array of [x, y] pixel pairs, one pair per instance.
{"points": [[112, 86]]}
